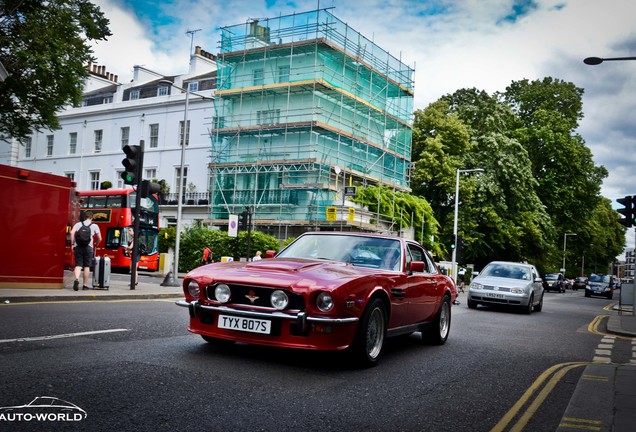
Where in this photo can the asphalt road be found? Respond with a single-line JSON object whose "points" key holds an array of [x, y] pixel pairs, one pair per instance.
{"points": [[133, 366]]}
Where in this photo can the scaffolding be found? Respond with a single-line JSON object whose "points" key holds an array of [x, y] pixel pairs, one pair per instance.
{"points": [[301, 99]]}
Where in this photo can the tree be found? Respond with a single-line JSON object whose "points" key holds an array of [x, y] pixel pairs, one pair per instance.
{"points": [[44, 46]]}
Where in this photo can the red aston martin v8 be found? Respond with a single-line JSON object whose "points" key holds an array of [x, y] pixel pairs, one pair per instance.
{"points": [[325, 291]]}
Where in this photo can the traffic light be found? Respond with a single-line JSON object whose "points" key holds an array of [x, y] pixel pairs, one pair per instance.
{"points": [[147, 188], [131, 163], [242, 217], [453, 241], [628, 211]]}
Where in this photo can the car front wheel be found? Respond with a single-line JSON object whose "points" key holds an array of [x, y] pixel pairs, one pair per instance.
{"points": [[528, 309], [436, 332], [538, 307], [371, 333]]}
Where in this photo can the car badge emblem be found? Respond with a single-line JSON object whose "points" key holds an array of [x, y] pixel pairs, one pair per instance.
{"points": [[251, 297], [496, 288]]}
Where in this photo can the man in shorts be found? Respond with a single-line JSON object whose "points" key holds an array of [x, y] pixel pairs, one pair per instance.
{"points": [[84, 253]]}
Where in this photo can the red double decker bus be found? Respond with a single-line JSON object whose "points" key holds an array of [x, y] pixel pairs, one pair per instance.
{"points": [[113, 213]]}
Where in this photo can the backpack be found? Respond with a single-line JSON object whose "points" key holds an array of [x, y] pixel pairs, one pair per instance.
{"points": [[83, 235]]}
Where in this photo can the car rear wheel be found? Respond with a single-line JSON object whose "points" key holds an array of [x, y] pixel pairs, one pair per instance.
{"points": [[528, 309], [371, 334], [436, 332]]}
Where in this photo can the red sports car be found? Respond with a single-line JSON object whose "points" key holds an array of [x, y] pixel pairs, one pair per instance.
{"points": [[325, 291]]}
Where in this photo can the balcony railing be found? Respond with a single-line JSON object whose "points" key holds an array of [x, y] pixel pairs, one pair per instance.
{"points": [[189, 198]]}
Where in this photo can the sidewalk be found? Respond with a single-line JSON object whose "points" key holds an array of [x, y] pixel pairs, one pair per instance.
{"points": [[118, 290], [605, 396]]}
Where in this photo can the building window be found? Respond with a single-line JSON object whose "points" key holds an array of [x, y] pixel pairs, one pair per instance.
{"points": [[193, 86], [94, 176], [162, 91], [266, 117], [120, 181], [154, 135], [187, 137], [72, 143], [27, 147], [283, 74], [125, 136], [258, 77], [70, 175], [108, 99], [98, 140], [49, 145], [151, 174], [178, 179], [134, 94]]}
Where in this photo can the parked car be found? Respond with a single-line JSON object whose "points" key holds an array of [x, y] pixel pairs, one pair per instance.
{"points": [[567, 283], [507, 283], [579, 282], [554, 282], [325, 291], [601, 285]]}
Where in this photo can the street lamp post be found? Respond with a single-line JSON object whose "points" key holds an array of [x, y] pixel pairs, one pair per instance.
{"points": [[593, 61], [565, 242], [454, 257], [181, 169]]}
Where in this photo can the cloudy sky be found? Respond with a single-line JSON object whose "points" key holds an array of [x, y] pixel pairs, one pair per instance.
{"points": [[452, 44]]}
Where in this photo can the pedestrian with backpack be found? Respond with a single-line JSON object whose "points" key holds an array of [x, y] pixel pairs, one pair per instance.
{"points": [[85, 236]]}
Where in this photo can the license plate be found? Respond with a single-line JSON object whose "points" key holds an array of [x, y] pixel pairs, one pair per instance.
{"points": [[495, 295], [251, 325]]}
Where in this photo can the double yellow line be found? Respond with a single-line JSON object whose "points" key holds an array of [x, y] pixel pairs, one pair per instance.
{"points": [[552, 375]]}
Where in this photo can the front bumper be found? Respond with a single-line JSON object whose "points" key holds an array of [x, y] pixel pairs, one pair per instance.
{"points": [[301, 317], [486, 297]]}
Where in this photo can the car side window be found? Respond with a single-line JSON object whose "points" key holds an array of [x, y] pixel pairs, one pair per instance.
{"points": [[418, 254]]}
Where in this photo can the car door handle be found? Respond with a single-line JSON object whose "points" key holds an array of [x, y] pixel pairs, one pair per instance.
{"points": [[397, 292]]}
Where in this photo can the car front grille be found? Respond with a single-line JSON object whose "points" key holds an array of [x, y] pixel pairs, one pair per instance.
{"points": [[496, 288], [258, 296]]}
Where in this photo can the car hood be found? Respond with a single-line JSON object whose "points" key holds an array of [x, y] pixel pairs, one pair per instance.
{"points": [[501, 282], [292, 273]]}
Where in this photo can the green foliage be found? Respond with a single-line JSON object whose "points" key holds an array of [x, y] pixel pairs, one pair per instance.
{"points": [[539, 182], [44, 46], [195, 238], [402, 209]]}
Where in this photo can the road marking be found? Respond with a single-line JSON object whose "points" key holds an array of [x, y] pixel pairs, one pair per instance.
{"points": [[558, 371], [595, 378], [579, 423], [61, 336]]}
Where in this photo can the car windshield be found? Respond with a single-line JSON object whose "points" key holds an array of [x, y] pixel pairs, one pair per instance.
{"points": [[600, 278], [552, 276], [581, 279], [510, 271], [360, 251]]}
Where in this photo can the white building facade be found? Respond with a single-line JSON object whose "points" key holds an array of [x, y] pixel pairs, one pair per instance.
{"points": [[151, 108]]}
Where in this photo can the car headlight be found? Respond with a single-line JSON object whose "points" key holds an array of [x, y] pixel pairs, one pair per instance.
{"points": [[279, 299], [476, 285], [193, 289], [517, 290], [324, 302], [222, 293]]}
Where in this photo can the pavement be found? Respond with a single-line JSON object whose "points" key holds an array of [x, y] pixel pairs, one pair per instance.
{"points": [[604, 399]]}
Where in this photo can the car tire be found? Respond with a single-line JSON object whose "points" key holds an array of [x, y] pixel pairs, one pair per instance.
{"points": [[217, 342], [436, 332], [528, 308], [587, 294], [472, 304], [371, 334], [539, 307]]}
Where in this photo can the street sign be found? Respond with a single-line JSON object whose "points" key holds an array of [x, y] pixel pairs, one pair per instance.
{"points": [[332, 212], [232, 227], [350, 191]]}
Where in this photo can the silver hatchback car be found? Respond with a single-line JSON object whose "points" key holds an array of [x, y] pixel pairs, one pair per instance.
{"points": [[503, 283]]}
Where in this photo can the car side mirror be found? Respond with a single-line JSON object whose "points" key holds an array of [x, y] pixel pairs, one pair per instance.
{"points": [[416, 266], [270, 254], [538, 280]]}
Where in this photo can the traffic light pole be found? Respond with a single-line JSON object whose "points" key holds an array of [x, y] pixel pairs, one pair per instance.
{"points": [[134, 259]]}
